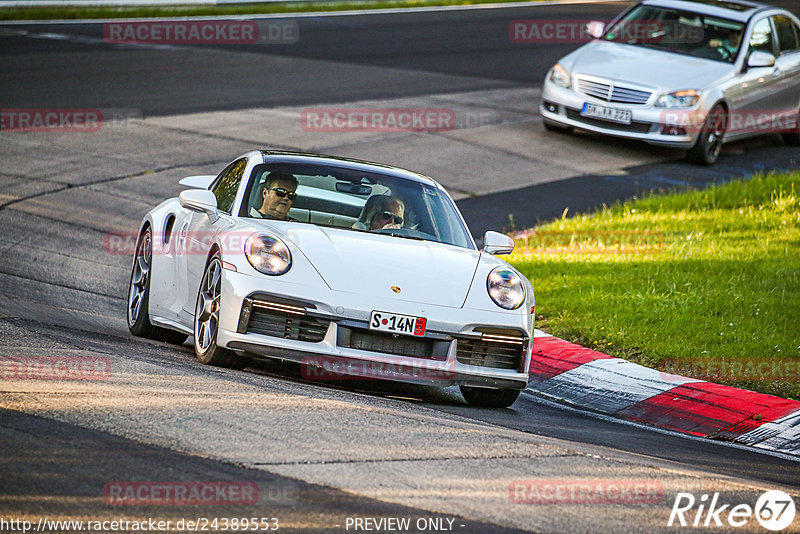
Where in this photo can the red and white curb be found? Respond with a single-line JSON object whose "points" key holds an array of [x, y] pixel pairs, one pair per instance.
{"points": [[598, 382]]}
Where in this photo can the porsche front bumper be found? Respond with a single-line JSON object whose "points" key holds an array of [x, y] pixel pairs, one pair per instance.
{"points": [[331, 335]]}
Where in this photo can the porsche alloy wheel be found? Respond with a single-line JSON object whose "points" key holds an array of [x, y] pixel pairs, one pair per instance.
{"points": [[490, 398], [139, 295], [140, 279], [206, 321]]}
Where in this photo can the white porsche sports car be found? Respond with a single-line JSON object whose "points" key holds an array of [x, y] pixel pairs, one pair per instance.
{"points": [[350, 268]]}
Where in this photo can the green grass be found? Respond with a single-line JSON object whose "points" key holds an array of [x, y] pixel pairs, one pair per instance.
{"points": [[101, 12], [720, 281]]}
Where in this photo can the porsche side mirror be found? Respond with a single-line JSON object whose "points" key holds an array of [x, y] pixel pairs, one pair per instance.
{"points": [[760, 59], [496, 243], [197, 182], [595, 29], [200, 200]]}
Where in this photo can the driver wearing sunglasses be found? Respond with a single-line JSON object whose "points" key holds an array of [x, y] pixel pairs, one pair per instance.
{"points": [[279, 192], [381, 212]]}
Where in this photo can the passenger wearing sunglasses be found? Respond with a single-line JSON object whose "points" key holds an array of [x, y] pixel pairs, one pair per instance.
{"points": [[381, 212], [279, 192]]}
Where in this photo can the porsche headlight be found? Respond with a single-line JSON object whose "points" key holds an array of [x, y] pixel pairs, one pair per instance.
{"points": [[560, 76], [679, 99], [506, 288], [268, 254]]}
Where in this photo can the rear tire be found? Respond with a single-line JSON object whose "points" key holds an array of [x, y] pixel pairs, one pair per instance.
{"points": [[206, 321], [709, 143], [138, 314], [490, 398]]}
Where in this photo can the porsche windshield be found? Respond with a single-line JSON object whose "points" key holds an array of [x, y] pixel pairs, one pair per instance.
{"points": [[355, 200], [680, 32]]}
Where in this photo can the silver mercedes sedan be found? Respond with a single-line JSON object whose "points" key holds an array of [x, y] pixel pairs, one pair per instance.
{"points": [[688, 74]]}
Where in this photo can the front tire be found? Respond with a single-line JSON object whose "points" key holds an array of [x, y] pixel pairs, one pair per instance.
{"points": [[793, 138], [490, 398], [139, 295], [709, 143], [206, 321]]}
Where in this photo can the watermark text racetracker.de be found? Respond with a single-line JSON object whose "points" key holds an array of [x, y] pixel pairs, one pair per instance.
{"points": [[178, 243], [747, 369], [551, 31], [180, 493], [326, 368], [202, 32], [378, 119], [745, 121], [55, 368], [586, 491], [527, 242], [543, 242], [65, 119]]}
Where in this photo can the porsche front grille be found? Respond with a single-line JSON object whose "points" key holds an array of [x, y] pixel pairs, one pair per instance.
{"points": [[402, 346], [398, 345], [287, 321], [498, 350]]}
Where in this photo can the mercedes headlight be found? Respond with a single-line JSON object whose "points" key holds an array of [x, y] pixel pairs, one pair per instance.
{"points": [[267, 254], [560, 76], [506, 288], [679, 99]]}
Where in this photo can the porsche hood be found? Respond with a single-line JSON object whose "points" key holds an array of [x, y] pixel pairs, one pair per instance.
{"points": [[384, 266]]}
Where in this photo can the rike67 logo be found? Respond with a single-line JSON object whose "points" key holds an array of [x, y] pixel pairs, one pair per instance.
{"points": [[774, 510]]}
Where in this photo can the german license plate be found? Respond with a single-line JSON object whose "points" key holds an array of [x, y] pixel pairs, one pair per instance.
{"points": [[622, 116], [395, 323]]}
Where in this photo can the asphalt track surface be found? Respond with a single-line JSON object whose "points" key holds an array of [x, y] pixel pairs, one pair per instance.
{"points": [[432, 52], [443, 51], [61, 444]]}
